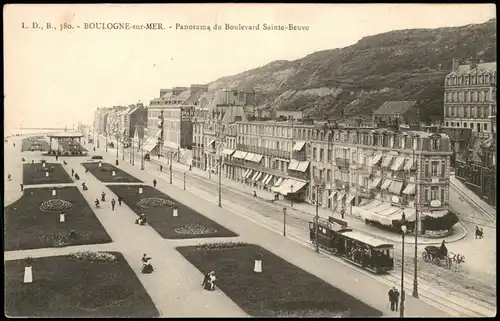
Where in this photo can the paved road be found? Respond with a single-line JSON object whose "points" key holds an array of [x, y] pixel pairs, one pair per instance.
{"points": [[240, 202]]}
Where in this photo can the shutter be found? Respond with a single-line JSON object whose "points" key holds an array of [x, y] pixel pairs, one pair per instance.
{"points": [[442, 196], [443, 169], [427, 191], [426, 170]]}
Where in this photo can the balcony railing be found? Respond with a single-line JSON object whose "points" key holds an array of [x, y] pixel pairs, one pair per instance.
{"points": [[263, 151]]}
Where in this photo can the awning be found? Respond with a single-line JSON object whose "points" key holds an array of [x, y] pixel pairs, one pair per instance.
{"points": [[409, 189], [239, 154], [250, 171], [436, 214], [340, 196], [398, 164], [254, 177], [246, 173], [257, 158], [387, 160], [332, 195], [258, 177], [375, 159], [279, 182], [296, 186], [298, 145], [396, 187], [302, 166], [268, 179], [385, 184], [265, 178], [375, 182], [349, 199], [408, 165], [293, 164], [249, 156], [228, 151], [211, 142]]}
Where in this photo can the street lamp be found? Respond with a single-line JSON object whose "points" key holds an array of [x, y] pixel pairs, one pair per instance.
{"points": [[415, 281], [106, 141], [291, 196], [220, 140], [284, 221], [142, 154], [403, 232], [117, 147], [316, 229], [123, 148]]}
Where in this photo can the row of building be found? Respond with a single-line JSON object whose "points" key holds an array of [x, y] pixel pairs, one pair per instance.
{"points": [[369, 172]]}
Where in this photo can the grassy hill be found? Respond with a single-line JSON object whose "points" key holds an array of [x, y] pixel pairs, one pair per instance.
{"points": [[398, 65]]}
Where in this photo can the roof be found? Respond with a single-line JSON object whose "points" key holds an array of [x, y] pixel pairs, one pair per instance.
{"points": [[194, 98], [369, 240], [65, 135], [485, 67], [395, 107]]}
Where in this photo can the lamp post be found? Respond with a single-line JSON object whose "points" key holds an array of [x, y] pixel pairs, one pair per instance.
{"points": [[328, 128], [316, 226], [106, 142], [220, 142], [170, 167], [132, 152], [142, 154], [117, 147], [403, 232], [291, 193], [415, 262], [284, 221]]}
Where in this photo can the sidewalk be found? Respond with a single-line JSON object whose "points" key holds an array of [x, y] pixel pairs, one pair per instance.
{"points": [[14, 166], [472, 197], [175, 285], [369, 290]]}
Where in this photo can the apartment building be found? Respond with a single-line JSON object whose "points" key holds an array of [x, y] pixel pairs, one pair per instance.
{"points": [[169, 120], [383, 173], [470, 96]]}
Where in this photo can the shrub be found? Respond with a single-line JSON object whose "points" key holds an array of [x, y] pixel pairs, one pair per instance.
{"points": [[219, 246], [95, 257]]}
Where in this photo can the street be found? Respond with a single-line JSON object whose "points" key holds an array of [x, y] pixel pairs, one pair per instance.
{"points": [[468, 291]]}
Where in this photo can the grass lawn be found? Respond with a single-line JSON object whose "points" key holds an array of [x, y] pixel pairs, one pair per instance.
{"points": [[35, 142], [66, 287], [35, 174], [281, 290], [27, 226], [105, 173], [187, 225]]}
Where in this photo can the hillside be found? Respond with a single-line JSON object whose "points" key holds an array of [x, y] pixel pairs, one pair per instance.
{"points": [[398, 65]]}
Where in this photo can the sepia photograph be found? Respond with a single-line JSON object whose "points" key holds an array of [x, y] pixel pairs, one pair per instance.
{"points": [[250, 160]]}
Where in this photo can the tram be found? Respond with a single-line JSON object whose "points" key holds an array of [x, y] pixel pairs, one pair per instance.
{"points": [[367, 252]]}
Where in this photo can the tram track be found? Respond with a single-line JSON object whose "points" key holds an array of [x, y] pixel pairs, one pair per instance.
{"points": [[300, 222]]}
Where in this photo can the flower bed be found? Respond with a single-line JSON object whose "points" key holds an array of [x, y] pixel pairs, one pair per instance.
{"points": [[76, 285], [35, 174], [27, 226], [155, 202], [105, 173], [281, 290], [188, 223], [55, 205]]}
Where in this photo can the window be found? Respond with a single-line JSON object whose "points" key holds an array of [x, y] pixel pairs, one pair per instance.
{"points": [[321, 154], [329, 174], [472, 125], [435, 144], [434, 168], [465, 124], [314, 153], [442, 195], [434, 193], [426, 169], [427, 194], [443, 169], [485, 127]]}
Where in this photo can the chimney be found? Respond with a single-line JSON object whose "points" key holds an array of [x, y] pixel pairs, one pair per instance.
{"points": [[472, 63], [455, 63]]}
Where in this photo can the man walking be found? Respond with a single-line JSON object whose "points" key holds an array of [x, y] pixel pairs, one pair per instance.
{"points": [[396, 298], [161, 168], [391, 298], [119, 200], [154, 182], [72, 172], [113, 203]]}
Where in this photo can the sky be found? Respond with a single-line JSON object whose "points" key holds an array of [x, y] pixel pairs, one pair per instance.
{"points": [[55, 78]]}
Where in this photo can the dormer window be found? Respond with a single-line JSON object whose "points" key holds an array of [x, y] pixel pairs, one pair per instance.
{"points": [[435, 144]]}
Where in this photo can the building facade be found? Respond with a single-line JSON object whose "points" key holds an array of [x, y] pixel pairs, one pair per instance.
{"points": [[382, 172], [470, 96], [390, 110]]}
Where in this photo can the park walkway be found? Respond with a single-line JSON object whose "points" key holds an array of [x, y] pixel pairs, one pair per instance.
{"points": [[358, 283], [14, 166]]}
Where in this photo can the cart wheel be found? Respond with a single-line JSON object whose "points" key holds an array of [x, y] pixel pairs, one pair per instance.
{"points": [[437, 261], [425, 256]]}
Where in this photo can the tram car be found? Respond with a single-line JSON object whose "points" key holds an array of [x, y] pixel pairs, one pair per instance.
{"points": [[367, 252]]}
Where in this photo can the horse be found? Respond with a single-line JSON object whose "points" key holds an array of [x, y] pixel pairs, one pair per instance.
{"points": [[455, 260]]}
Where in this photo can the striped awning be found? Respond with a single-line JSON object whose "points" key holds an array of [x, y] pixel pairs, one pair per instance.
{"points": [[398, 164], [385, 184], [375, 182], [375, 159], [340, 196], [279, 182], [293, 164], [257, 158], [302, 166], [332, 194], [228, 152], [249, 156], [298, 146], [396, 187], [268, 180], [409, 189], [409, 165], [387, 161], [250, 171]]}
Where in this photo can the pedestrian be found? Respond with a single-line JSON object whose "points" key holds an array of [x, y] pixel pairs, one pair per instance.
{"points": [[57, 157], [396, 298], [22, 187], [72, 172], [9, 177], [103, 197], [391, 298], [113, 203], [342, 212], [119, 200], [161, 168], [94, 149], [189, 167], [158, 156], [154, 182]]}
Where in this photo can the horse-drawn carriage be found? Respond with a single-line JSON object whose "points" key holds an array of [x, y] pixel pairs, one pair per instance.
{"points": [[435, 255]]}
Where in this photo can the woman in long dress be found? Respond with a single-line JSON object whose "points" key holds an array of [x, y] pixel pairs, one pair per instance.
{"points": [[209, 281]]}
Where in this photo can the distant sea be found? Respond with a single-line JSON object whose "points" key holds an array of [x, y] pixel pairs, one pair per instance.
{"points": [[12, 132]]}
